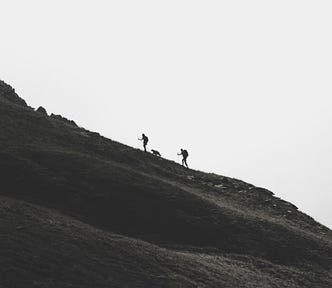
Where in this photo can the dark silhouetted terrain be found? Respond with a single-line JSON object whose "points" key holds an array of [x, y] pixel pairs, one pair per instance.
{"points": [[80, 210]]}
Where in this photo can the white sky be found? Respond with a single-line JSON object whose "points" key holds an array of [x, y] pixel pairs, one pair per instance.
{"points": [[245, 86]]}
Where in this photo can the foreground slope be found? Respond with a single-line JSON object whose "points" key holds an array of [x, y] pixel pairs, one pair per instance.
{"points": [[44, 249], [189, 228]]}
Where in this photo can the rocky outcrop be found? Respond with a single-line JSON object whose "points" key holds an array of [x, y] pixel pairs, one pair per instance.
{"points": [[8, 93], [63, 120], [42, 110]]}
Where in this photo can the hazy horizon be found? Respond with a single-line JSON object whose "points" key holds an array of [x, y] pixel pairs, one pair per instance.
{"points": [[244, 87]]}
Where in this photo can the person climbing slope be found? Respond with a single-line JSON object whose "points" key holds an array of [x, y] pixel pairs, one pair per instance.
{"points": [[185, 155], [145, 140]]}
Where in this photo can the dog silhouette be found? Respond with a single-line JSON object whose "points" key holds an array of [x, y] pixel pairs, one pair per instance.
{"points": [[155, 152]]}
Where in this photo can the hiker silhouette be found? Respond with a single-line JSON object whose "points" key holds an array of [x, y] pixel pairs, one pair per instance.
{"points": [[185, 155], [145, 140]]}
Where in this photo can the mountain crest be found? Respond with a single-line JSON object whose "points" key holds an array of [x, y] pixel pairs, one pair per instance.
{"points": [[8, 93]]}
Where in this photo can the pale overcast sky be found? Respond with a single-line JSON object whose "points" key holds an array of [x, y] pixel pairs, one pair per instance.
{"points": [[245, 86]]}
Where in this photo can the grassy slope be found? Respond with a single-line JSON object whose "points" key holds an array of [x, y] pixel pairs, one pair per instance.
{"points": [[45, 249], [202, 229]]}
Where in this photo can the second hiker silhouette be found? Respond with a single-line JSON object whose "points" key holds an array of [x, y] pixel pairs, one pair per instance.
{"points": [[145, 140], [185, 155]]}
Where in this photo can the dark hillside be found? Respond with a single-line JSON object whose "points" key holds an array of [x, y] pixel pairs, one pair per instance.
{"points": [[140, 220]]}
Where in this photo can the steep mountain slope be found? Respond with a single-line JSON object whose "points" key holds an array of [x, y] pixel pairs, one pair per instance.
{"points": [[80, 210]]}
